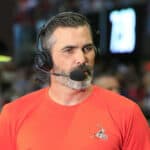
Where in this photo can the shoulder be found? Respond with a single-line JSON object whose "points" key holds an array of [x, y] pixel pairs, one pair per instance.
{"points": [[114, 102], [24, 103], [123, 111], [110, 96]]}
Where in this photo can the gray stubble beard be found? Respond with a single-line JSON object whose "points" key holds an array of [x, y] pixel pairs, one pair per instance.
{"points": [[76, 85]]}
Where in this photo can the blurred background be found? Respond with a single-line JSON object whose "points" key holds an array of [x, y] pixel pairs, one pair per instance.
{"points": [[121, 34]]}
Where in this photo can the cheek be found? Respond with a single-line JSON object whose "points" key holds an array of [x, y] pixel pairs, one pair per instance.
{"points": [[58, 61], [91, 59], [62, 64]]}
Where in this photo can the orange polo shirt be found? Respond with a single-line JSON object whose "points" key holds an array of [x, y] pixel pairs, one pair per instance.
{"points": [[104, 120]]}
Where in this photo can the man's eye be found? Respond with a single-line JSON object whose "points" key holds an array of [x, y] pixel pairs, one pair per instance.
{"points": [[88, 48], [68, 50]]}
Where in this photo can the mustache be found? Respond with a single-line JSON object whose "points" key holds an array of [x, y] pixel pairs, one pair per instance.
{"points": [[84, 68]]}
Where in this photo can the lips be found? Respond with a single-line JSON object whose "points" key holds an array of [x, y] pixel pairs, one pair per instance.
{"points": [[86, 69]]}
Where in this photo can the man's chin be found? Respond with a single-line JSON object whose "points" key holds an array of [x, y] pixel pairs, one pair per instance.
{"points": [[79, 85]]}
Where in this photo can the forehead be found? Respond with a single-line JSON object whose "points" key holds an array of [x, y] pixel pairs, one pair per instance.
{"points": [[70, 34]]}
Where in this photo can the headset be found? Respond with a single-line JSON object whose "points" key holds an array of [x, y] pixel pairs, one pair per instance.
{"points": [[43, 59]]}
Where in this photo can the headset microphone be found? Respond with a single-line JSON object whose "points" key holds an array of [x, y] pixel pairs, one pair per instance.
{"points": [[77, 75], [59, 74]]}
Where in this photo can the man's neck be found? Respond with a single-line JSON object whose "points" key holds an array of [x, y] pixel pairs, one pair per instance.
{"points": [[66, 96]]}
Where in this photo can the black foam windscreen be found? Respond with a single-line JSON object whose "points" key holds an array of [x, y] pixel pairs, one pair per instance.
{"points": [[77, 75]]}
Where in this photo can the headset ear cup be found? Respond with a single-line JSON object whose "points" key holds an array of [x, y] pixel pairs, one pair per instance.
{"points": [[43, 61]]}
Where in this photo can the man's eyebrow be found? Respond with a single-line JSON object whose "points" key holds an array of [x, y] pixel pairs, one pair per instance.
{"points": [[68, 47], [74, 46]]}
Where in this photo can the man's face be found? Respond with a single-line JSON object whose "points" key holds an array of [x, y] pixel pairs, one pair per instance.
{"points": [[73, 47]]}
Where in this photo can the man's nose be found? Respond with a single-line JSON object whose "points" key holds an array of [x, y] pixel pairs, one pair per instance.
{"points": [[80, 57]]}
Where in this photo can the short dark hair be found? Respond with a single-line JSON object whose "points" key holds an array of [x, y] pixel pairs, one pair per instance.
{"points": [[63, 19]]}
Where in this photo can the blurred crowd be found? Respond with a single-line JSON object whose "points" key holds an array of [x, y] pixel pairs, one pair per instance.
{"points": [[17, 81]]}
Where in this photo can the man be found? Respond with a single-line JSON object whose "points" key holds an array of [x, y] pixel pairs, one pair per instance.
{"points": [[71, 114], [108, 81]]}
